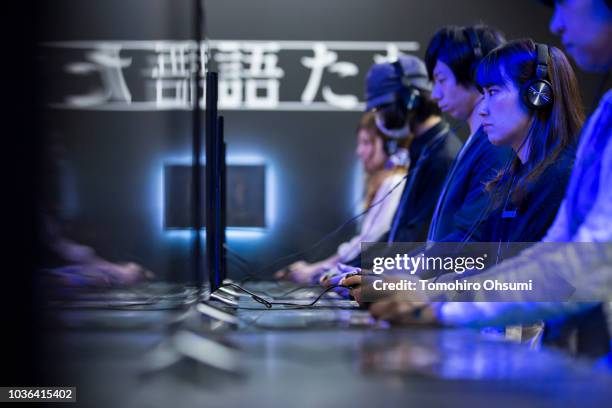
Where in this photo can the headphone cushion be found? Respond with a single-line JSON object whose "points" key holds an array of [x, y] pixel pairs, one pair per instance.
{"points": [[537, 94]]}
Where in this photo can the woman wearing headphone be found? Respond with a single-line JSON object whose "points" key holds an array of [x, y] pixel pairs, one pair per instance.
{"points": [[531, 104], [385, 162]]}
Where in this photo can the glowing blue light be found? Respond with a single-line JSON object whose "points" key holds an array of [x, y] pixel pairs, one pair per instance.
{"points": [[231, 233], [358, 188]]}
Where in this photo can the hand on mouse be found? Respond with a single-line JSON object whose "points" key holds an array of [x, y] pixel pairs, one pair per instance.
{"points": [[397, 310]]}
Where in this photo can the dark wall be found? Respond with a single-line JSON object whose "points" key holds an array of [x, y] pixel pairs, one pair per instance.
{"points": [[115, 157]]}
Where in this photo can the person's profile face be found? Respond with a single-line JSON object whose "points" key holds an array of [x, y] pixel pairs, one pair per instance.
{"points": [[505, 119], [585, 29], [452, 97], [370, 151]]}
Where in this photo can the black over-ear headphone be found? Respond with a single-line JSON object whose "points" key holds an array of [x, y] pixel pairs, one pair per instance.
{"points": [[538, 92], [475, 46], [472, 37], [408, 99], [410, 94]]}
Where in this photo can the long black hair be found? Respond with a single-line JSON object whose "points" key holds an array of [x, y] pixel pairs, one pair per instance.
{"points": [[552, 129]]}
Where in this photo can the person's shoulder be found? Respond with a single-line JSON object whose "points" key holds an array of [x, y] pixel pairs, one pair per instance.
{"points": [[561, 168], [452, 143], [451, 135], [602, 115], [606, 99], [392, 180]]}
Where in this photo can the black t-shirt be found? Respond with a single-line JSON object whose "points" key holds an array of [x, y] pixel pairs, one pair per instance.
{"points": [[530, 219]]}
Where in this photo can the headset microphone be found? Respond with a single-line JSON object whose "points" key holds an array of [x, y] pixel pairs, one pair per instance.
{"points": [[394, 133]]}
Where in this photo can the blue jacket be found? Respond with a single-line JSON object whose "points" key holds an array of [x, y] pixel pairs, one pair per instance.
{"points": [[463, 198], [529, 220]]}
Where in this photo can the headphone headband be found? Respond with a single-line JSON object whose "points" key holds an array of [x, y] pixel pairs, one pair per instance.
{"points": [[399, 71], [541, 69], [472, 37], [410, 94]]}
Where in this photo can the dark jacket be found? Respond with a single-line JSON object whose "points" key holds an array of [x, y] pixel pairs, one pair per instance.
{"points": [[432, 155], [503, 221], [463, 198], [529, 220]]}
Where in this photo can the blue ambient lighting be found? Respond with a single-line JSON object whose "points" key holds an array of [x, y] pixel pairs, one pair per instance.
{"points": [[271, 196]]}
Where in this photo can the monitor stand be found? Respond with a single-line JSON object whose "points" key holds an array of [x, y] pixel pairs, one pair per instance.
{"points": [[219, 296]]}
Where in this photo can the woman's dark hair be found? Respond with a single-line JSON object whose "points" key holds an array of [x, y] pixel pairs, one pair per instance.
{"points": [[452, 46], [552, 129]]}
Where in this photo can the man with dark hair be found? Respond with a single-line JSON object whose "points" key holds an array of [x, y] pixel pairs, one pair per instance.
{"points": [[451, 58]]}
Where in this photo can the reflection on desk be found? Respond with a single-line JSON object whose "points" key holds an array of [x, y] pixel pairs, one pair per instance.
{"points": [[314, 357]]}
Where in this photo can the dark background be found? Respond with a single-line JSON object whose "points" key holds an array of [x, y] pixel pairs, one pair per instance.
{"points": [[245, 196], [112, 157]]}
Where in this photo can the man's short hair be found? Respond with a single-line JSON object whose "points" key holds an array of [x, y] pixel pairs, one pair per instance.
{"points": [[453, 46]]}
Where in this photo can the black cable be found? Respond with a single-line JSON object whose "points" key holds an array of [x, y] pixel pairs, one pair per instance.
{"points": [[244, 269], [237, 255], [332, 233], [276, 295], [269, 304], [255, 275], [245, 265], [295, 290], [490, 207], [255, 297], [298, 306], [250, 275]]}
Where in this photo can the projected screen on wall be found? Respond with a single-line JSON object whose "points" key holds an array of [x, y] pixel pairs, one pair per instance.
{"points": [[245, 196]]}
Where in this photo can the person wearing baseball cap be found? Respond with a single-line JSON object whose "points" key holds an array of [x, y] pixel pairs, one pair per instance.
{"points": [[400, 95]]}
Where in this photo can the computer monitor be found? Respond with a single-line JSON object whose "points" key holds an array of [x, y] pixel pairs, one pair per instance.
{"points": [[223, 194], [215, 189]]}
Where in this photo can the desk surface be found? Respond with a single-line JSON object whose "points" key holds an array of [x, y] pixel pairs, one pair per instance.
{"points": [[105, 353]]}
